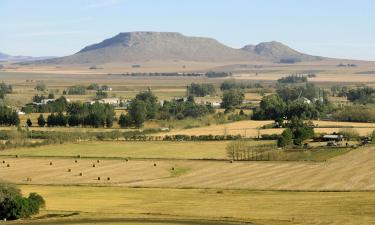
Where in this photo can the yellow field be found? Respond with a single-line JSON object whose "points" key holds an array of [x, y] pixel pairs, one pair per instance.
{"points": [[248, 128], [251, 128], [121, 149], [98, 204], [335, 174]]}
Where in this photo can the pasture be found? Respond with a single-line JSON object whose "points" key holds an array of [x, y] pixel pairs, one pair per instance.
{"points": [[140, 150], [118, 205]]}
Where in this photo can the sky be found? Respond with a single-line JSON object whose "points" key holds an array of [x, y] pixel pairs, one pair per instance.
{"points": [[331, 28]]}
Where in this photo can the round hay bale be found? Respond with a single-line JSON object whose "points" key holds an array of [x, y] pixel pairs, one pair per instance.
{"points": [[93, 165], [126, 160], [76, 161], [16, 156], [98, 161], [98, 178], [80, 174], [3, 161], [154, 164], [172, 168], [108, 178], [231, 161], [50, 163], [8, 165], [69, 170]]}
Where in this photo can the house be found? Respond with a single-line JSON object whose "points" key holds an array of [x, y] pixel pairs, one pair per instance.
{"points": [[216, 104], [44, 101], [116, 102], [333, 137]]}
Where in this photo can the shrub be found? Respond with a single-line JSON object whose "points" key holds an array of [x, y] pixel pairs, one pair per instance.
{"points": [[13, 206]]}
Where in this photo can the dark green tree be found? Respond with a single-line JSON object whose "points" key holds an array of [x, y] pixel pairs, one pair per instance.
{"points": [[41, 121], [232, 98], [29, 123]]}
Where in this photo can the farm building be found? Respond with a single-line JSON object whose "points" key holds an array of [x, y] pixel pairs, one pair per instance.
{"points": [[333, 137]]}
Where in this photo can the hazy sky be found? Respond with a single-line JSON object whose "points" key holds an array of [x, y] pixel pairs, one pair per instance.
{"points": [[335, 28]]}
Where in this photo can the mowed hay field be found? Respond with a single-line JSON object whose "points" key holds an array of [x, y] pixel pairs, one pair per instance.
{"points": [[248, 128], [252, 128], [122, 149], [199, 206], [352, 171]]}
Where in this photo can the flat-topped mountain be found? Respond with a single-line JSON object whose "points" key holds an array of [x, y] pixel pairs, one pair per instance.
{"points": [[168, 46]]}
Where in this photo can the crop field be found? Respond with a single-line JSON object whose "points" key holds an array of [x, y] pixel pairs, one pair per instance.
{"points": [[141, 150], [334, 174], [251, 128], [117, 205]]}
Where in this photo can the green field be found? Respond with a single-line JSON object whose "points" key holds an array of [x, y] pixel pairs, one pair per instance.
{"points": [[122, 149], [257, 207]]}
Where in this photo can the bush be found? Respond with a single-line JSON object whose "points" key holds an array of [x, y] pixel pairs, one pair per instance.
{"points": [[286, 138], [13, 206]]}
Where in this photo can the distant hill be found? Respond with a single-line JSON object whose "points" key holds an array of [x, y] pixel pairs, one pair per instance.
{"points": [[167, 46], [10, 58], [277, 51]]}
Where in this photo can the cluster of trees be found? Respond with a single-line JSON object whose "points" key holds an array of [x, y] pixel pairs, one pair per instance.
{"points": [[145, 106], [273, 107], [8, 117], [100, 94], [232, 98], [179, 109], [201, 90], [5, 89], [41, 86], [59, 105], [292, 79], [339, 91], [97, 87], [78, 114], [164, 74], [14, 206], [296, 132], [357, 113], [303, 102], [40, 98], [212, 74], [75, 90], [233, 84], [362, 95], [244, 150], [201, 137]]}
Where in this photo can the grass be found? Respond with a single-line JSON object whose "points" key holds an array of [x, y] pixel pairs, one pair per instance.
{"points": [[319, 155], [122, 149], [258, 207], [179, 171]]}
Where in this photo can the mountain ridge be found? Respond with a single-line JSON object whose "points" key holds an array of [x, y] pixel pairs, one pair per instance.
{"points": [[141, 46]]}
